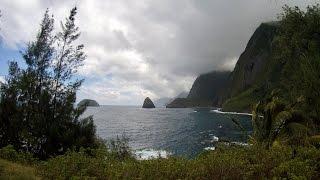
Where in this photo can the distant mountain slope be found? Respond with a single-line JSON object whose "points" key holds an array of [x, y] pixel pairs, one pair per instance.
{"points": [[163, 102], [188, 103], [210, 87], [207, 90], [183, 94]]}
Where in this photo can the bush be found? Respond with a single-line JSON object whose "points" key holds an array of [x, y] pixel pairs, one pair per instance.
{"points": [[224, 163], [9, 153], [119, 147]]}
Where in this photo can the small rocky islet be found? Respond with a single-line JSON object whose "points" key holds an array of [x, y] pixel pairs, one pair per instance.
{"points": [[88, 102], [148, 103]]}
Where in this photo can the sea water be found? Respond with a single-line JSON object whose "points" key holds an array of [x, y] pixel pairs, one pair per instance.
{"points": [[162, 132]]}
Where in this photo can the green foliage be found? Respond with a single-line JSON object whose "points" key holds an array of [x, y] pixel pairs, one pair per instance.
{"points": [[37, 108], [289, 109], [119, 147], [10, 170], [275, 120], [244, 101], [225, 163], [291, 64], [297, 48], [9, 153], [315, 140]]}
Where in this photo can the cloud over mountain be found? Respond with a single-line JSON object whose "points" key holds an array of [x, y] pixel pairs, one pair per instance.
{"points": [[146, 48]]}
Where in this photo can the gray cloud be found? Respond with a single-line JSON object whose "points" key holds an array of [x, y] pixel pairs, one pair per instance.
{"points": [[147, 48]]}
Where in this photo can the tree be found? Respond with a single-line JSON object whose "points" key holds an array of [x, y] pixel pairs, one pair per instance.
{"points": [[297, 48], [273, 120], [42, 118]]}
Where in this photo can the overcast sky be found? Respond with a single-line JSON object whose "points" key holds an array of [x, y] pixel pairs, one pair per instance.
{"points": [[142, 48]]}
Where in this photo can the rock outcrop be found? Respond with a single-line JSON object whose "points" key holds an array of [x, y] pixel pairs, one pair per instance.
{"points": [[88, 102], [148, 103]]}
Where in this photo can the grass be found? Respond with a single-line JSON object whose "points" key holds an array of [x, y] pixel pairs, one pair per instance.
{"points": [[226, 162], [11, 170]]}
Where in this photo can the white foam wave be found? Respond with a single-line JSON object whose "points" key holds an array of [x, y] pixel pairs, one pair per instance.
{"points": [[146, 154], [235, 113], [210, 148], [215, 139], [240, 143], [237, 143]]}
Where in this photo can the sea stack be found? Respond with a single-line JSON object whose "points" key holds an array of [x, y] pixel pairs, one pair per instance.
{"points": [[148, 103]]}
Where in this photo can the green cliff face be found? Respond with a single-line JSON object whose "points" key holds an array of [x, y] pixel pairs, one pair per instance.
{"points": [[253, 63], [256, 72], [254, 75]]}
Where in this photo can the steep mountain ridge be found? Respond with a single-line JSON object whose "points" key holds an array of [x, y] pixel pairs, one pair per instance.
{"points": [[252, 63], [254, 74]]}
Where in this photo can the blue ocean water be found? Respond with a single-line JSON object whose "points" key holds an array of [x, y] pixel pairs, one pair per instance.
{"points": [[183, 132]]}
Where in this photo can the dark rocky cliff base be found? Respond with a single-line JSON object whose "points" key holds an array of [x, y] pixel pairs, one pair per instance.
{"points": [[148, 103]]}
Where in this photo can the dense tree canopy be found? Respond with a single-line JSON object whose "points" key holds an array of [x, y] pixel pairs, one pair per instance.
{"points": [[37, 111], [298, 45]]}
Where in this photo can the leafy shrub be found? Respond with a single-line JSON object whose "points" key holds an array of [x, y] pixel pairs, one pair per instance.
{"points": [[9, 153], [119, 147], [295, 168], [225, 163], [10, 170]]}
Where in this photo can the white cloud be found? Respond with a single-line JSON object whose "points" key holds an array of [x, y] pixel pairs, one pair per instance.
{"points": [[146, 48]]}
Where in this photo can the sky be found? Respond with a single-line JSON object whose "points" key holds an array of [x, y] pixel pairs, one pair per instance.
{"points": [[140, 48]]}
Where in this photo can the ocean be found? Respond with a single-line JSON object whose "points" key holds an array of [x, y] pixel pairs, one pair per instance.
{"points": [[179, 132]]}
